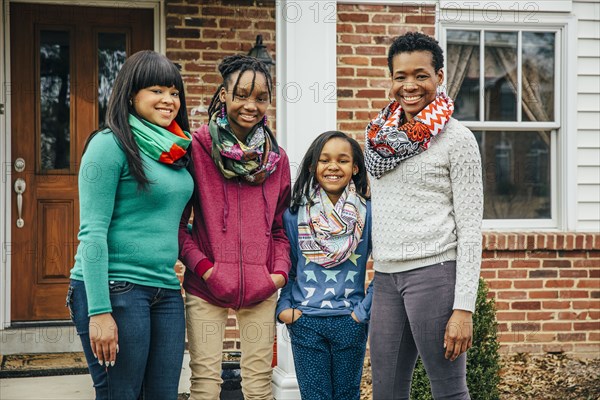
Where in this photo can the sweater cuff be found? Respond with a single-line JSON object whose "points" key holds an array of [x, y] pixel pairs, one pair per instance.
{"points": [[285, 276], [203, 265], [464, 302]]}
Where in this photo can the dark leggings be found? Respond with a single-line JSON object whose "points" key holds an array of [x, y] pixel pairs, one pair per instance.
{"points": [[408, 318]]}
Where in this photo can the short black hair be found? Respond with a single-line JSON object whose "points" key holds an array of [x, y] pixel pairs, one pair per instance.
{"points": [[306, 178], [241, 63], [416, 41]]}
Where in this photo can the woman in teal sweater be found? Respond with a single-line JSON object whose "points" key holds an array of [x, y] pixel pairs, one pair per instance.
{"points": [[125, 297]]}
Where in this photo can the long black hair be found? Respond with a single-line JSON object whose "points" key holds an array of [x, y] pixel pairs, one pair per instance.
{"points": [[233, 64], [141, 70], [306, 178]]}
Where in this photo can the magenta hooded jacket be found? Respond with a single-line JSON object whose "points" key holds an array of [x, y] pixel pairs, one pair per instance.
{"points": [[237, 229]]}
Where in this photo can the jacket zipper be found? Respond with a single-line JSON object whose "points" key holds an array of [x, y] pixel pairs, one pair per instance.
{"points": [[240, 243]]}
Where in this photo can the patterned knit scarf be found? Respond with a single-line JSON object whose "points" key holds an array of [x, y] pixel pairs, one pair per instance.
{"points": [[166, 145], [246, 160], [388, 141], [328, 234]]}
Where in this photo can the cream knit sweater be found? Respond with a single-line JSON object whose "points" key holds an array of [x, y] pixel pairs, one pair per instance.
{"points": [[429, 210]]}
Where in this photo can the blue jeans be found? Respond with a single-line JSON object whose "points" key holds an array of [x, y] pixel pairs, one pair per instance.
{"points": [[151, 329], [329, 353]]}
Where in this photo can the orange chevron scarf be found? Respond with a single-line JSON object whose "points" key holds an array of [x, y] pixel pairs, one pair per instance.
{"points": [[390, 141]]}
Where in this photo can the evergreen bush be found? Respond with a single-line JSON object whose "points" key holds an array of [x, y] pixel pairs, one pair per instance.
{"points": [[483, 359]]}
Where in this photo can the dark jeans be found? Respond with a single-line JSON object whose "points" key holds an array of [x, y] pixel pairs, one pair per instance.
{"points": [[329, 353], [408, 318], [151, 331]]}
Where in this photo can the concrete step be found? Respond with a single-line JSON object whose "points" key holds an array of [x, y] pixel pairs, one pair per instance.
{"points": [[55, 337]]}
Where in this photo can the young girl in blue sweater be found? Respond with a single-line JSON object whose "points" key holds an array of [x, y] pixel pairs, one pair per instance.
{"points": [[324, 303]]}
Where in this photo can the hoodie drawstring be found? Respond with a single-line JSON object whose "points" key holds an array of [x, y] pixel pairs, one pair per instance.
{"points": [[267, 210], [226, 207]]}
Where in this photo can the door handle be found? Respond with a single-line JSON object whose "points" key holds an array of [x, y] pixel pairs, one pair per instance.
{"points": [[20, 186]]}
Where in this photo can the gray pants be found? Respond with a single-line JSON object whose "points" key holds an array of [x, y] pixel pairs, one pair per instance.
{"points": [[408, 318]]}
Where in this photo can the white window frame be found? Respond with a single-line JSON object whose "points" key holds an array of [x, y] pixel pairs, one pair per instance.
{"points": [[563, 129]]}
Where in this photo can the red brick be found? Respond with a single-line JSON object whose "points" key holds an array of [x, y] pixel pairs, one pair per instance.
{"points": [[541, 254], [510, 316], [183, 55], [594, 254], [344, 28], [510, 274], [556, 305], [488, 274], [387, 18], [420, 19], [556, 326], [345, 50], [569, 242], [594, 273], [543, 274], [397, 30], [579, 241], [525, 264], [502, 305], [499, 284], [530, 241], [353, 104], [560, 241], [201, 44], [375, 72], [540, 241], [573, 273], [526, 305], [216, 34], [571, 254], [526, 348], [556, 264], [587, 326], [589, 283], [368, 7], [528, 284], [546, 294], [573, 294], [355, 39], [375, 29], [586, 263], [494, 264], [594, 336], [379, 104], [182, 10], [525, 327], [370, 93], [560, 283], [488, 254], [174, 44], [341, 71], [370, 50], [567, 315], [352, 17], [379, 62], [586, 305], [512, 295], [349, 126], [351, 82], [354, 60], [535, 316], [571, 337]]}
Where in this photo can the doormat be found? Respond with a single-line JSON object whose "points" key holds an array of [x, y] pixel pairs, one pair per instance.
{"points": [[46, 364]]}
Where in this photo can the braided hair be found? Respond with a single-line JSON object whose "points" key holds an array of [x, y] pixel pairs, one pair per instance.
{"points": [[228, 67]]}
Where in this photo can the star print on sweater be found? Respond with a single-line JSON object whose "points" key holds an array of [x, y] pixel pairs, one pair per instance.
{"points": [[338, 290]]}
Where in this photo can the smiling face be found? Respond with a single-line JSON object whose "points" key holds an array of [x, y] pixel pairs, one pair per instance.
{"points": [[245, 108], [335, 167], [414, 81], [157, 104]]}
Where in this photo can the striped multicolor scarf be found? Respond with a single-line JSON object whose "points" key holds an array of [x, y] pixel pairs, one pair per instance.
{"points": [[390, 141], [328, 234]]}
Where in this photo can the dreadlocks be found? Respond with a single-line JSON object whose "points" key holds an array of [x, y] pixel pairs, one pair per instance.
{"points": [[240, 63]]}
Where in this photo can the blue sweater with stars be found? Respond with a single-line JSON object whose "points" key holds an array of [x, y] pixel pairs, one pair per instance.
{"points": [[324, 292]]}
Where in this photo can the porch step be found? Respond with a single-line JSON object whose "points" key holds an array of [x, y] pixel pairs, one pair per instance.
{"points": [[40, 338], [32, 365]]}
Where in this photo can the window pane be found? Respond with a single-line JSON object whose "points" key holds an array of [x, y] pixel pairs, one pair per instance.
{"points": [[463, 73], [538, 76], [516, 174], [500, 76], [111, 57], [55, 107]]}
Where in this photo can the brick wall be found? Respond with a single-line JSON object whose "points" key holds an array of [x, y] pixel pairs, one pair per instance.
{"points": [[546, 286], [547, 291]]}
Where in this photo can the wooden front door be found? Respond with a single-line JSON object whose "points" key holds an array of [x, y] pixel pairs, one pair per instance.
{"points": [[63, 62]]}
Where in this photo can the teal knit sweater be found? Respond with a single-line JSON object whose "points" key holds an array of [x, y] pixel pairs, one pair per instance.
{"points": [[126, 233]]}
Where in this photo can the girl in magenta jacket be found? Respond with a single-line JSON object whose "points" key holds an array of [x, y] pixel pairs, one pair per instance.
{"points": [[237, 253]]}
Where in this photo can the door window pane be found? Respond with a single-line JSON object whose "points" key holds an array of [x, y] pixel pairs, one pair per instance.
{"points": [[501, 76], [463, 73], [516, 174], [111, 57], [55, 107], [538, 76]]}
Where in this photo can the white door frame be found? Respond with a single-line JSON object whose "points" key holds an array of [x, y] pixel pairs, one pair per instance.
{"points": [[6, 193]]}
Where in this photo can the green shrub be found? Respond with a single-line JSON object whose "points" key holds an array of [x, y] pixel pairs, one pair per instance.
{"points": [[483, 360]]}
